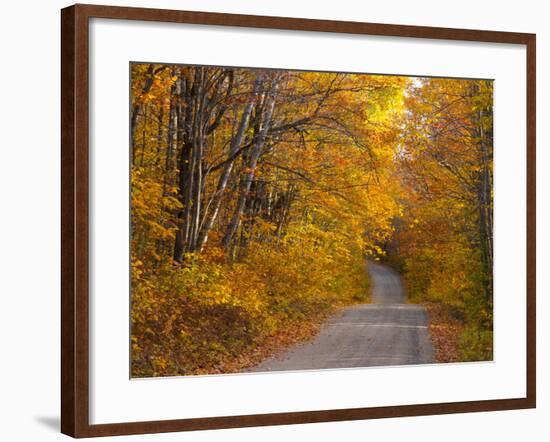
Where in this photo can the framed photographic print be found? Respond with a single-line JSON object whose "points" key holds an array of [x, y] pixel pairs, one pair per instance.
{"points": [[273, 220]]}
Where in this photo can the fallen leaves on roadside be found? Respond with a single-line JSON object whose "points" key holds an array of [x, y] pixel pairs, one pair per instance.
{"points": [[445, 331]]}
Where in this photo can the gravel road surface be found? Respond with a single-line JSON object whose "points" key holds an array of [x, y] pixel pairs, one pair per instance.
{"points": [[386, 332]]}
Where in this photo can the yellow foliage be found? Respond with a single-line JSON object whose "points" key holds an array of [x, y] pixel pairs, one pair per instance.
{"points": [[349, 161]]}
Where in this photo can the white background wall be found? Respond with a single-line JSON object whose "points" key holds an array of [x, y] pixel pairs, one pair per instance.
{"points": [[29, 218]]}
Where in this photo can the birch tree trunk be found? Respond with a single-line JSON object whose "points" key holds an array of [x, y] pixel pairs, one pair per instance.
{"points": [[212, 214], [255, 152]]}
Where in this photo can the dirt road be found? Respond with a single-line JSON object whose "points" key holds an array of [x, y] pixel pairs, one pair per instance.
{"points": [[386, 332]]}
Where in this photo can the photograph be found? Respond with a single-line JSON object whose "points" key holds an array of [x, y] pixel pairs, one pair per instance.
{"points": [[301, 220]]}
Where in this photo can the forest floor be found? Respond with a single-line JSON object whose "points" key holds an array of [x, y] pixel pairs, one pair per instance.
{"points": [[445, 331]]}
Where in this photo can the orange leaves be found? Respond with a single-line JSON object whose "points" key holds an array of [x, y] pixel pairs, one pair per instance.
{"points": [[440, 169]]}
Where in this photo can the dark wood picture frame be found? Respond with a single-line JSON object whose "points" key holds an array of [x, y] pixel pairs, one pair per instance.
{"points": [[75, 220]]}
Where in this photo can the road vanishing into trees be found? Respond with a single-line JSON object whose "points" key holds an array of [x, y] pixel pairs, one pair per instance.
{"points": [[386, 332]]}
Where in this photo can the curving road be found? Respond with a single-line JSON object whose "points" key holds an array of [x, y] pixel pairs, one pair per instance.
{"points": [[386, 332]]}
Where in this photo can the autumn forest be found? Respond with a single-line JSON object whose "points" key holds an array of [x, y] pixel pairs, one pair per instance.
{"points": [[259, 197]]}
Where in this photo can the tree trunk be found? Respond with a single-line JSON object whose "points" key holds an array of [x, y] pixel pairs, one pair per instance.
{"points": [[255, 152], [212, 214], [484, 195], [136, 108]]}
